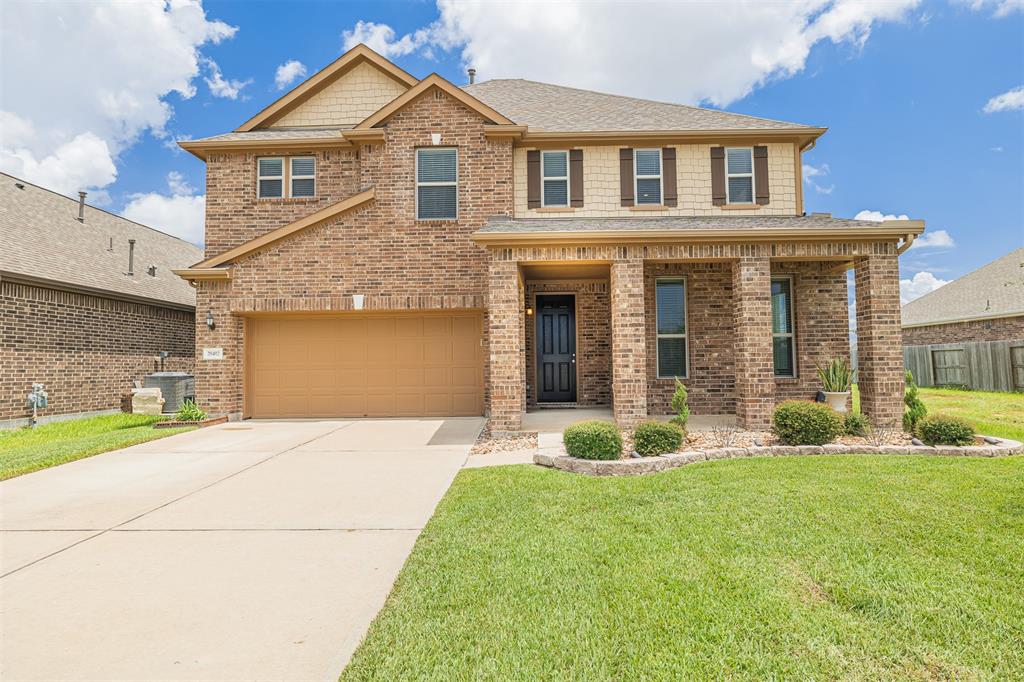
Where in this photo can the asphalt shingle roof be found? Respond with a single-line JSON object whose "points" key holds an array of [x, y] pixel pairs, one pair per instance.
{"points": [[273, 134], [504, 225], [40, 237], [993, 290], [546, 107]]}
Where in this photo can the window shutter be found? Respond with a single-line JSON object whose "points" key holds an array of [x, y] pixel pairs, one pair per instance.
{"points": [[626, 176], [533, 178], [718, 176], [576, 178], [668, 176], [761, 174]]}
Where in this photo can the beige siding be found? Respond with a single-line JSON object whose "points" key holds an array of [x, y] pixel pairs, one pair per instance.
{"points": [[693, 175], [347, 101]]}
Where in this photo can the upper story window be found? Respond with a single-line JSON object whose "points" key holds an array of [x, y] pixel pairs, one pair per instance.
{"points": [[647, 171], [783, 337], [275, 180], [437, 183], [555, 170], [739, 175], [671, 322]]}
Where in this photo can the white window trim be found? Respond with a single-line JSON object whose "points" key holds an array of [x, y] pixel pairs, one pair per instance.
{"points": [[568, 185], [659, 176], [792, 326], [753, 182], [283, 177], [436, 184], [686, 325], [292, 177]]}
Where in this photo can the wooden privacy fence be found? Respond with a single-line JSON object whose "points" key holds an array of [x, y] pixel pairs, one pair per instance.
{"points": [[981, 365]]}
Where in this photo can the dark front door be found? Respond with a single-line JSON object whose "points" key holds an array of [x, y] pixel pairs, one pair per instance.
{"points": [[556, 349]]}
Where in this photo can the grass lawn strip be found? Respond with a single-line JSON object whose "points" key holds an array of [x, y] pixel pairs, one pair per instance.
{"points": [[25, 450], [853, 567]]}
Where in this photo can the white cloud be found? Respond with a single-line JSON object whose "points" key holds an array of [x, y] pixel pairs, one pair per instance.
{"points": [[1003, 8], [381, 38], [719, 54], [939, 239], [89, 79], [878, 216], [220, 86], [997, 150], [288, 72], [181, 213], [919, 285], [1011, 100], [822, 171]]}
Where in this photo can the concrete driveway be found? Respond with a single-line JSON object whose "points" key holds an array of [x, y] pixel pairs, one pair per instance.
{"points": [[252, 550]]}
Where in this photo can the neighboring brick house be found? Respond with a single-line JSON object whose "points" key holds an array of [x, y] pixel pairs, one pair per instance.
{"points": [[73, 316], [970, 331], [382, 245]]}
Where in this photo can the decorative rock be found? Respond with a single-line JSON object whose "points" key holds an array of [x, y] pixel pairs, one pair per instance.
{"points": [[991, 441], [915, 441], [545, 459], [635, 455], [758, 442]]}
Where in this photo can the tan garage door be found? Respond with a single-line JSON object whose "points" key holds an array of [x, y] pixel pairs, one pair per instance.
{"points": [[365, 366]]}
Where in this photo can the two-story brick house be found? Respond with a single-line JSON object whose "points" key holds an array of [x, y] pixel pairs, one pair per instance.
{"points": [[382, 245]]}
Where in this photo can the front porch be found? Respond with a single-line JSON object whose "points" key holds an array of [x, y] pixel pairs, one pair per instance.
{"points": [[579, 327]]}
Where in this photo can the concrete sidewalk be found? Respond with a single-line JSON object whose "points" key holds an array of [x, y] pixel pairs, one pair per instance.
{"points": [[253, 550]]}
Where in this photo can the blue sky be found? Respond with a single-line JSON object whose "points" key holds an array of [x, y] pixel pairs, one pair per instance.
{"points": [[903, 87]]}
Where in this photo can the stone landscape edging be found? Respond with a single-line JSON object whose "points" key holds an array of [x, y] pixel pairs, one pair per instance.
{"points": [[648, 465], [173, 424]]}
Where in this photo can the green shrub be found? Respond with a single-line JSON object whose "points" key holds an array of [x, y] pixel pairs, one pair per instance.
{"points": [[836, 376], [856, 424], [941, 429], [916, 411], [657, 438], [593, 440], [189, 412], [680, 406], [800, 422]]}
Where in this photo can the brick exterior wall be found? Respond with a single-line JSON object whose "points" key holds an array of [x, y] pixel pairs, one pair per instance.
{"points": [[879, 342], [593, 340], [693, 177], [86, 350], [380, 251], [1002, 329]]}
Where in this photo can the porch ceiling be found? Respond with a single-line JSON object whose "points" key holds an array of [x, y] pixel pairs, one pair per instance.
{"points": [[567, 270]]}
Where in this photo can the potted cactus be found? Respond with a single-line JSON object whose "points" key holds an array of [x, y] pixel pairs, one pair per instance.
{"points": [[836, 379]]}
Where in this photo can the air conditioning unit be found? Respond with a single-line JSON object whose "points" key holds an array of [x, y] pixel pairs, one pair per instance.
{"points": [[175, 387]]}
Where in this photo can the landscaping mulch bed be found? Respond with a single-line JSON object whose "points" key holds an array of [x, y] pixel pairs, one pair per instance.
{"points": [[486, 445]]}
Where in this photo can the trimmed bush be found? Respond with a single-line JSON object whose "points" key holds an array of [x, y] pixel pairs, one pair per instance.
{"points": [[680, 406], [657, 438], [916, 410], [941, 429], [856, 424], [800, 422], [593, 440]]}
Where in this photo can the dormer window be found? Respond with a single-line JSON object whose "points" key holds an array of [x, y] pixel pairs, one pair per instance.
{"points": [[647, 174], [555, 167], [739, 175]]}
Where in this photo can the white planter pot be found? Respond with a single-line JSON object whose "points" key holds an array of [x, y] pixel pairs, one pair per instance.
{"points": [[837, 401]]}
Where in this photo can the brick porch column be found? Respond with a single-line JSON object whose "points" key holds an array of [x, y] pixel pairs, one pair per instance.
{"points": [[505, 329], [629, 342], [879, 340], [752, 309]]}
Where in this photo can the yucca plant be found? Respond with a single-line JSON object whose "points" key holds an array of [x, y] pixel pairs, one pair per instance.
{"points": [[836, 376]]}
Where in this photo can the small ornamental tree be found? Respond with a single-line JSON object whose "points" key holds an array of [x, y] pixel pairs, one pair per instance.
{"points": [[916, 411], [680, 406]]}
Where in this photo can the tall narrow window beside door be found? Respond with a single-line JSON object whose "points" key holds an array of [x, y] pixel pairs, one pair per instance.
{"points": [[671, 321], [783, 337]]}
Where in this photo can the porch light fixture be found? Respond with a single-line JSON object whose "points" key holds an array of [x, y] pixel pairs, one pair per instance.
{"points": [[210, 324], [529, 311]]}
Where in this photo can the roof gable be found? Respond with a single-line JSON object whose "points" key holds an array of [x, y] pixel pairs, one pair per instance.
{"points": [[433, 81], [324, 79]]}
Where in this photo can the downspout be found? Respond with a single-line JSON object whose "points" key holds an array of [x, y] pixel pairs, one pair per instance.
{"points": [[908, 240]]}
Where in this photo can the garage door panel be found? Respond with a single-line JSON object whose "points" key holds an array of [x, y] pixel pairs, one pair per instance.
{"points": [[377, 365]]}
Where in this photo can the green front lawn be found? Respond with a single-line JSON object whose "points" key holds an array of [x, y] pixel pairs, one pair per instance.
{"points": [[993, 414], [26, 450], [860, 567]]}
